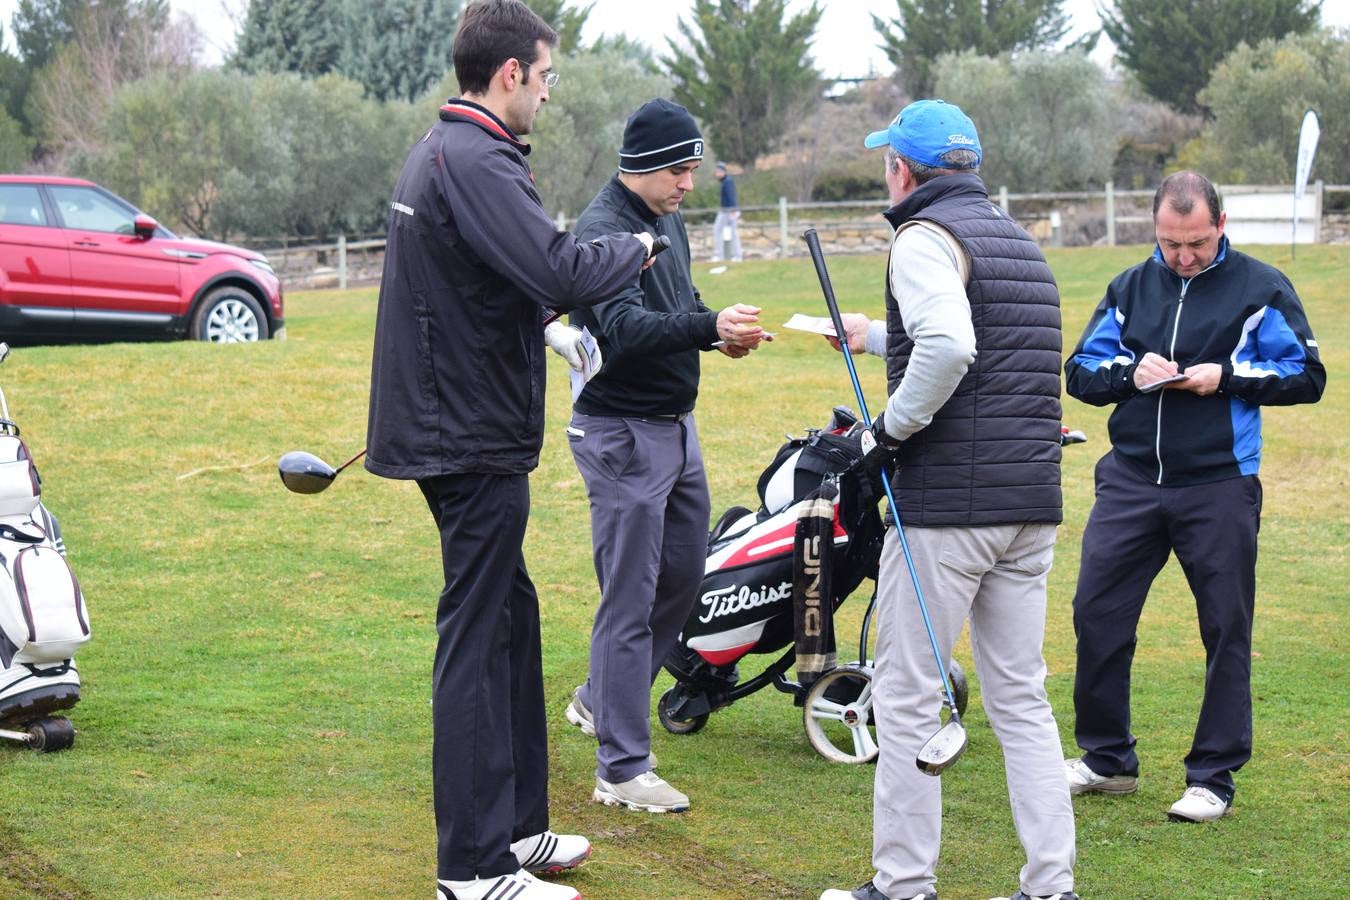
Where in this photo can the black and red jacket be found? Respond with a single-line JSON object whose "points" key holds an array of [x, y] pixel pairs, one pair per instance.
{"points": [[457, 378]]}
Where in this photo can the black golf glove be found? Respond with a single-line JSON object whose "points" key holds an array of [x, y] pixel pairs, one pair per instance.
{"points": [[879, 452]]}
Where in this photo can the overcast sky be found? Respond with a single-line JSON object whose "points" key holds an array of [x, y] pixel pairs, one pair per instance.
{"points": [[845, 44]]}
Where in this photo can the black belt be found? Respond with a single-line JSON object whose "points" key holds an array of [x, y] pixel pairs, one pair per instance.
{"points": [[669, 420]]}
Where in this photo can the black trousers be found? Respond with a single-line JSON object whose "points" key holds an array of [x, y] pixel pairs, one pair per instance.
{"points": [[489, 752], [1133, 527]]}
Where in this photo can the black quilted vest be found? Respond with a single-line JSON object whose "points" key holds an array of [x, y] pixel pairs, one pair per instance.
{"points": [[991, 454]]}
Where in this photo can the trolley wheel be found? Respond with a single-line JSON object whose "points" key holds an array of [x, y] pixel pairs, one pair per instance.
{"points": [[960, 688], [672, 724], [51, 734], [842, 730]]}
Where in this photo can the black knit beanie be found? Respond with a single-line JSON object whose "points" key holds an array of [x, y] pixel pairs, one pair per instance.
{"points": [[659, 135]]}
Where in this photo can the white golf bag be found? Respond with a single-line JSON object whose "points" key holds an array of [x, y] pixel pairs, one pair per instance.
{"points": [[43, 620]]}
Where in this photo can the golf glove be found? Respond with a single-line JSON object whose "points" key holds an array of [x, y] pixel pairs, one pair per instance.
{"points": [[565, 341], [880, 450], [646, 239]]}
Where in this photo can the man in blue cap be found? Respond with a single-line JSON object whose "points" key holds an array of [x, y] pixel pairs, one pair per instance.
{"points": [[975, 451]]}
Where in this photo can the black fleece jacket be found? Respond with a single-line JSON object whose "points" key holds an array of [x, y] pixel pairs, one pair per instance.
{"points": [[651, 332]]}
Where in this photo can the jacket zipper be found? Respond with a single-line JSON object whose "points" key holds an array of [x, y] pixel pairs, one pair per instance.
{"points": [[1172, 355]]}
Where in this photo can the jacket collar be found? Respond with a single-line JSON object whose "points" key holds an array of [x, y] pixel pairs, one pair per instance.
{"points": [[459, 109], [939, 188], [639, 205]]}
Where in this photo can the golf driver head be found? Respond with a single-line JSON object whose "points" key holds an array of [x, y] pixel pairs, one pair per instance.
{"points": [[305, 473], [943, 748]]}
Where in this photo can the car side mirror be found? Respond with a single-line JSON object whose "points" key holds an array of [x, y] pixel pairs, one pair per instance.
{"points": [[144, 226]]}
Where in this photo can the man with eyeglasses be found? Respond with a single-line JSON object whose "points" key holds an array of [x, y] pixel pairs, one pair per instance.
{"points": [[472, 267]]}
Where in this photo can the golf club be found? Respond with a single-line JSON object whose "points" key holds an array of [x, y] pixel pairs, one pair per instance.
{"points": [[949, 742], [305, 473]]}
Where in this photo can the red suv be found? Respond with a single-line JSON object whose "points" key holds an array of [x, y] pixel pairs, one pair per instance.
{"points": [[78, 262]]}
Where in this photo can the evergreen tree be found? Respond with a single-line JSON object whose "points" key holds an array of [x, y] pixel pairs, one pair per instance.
{"points": [[1258, 96], [1172, 46], [746, 74], [923, 30], [302, 36], [41, 27], [565, 19], [398, 48]]}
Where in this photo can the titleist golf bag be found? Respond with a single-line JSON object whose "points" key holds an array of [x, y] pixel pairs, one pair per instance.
{"points": [[42, 615], [769, 585]]}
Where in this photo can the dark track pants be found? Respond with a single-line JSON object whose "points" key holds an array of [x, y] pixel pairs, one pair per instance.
{"points": [[489, 751], [1133, 527], [649, 529]]}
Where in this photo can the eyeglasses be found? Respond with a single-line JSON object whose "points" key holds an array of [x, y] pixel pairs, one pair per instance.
{"points": [[548, 78]]}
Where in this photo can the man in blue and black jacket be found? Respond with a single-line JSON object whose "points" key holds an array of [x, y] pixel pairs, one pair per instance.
{"points": [[1189, 345]]}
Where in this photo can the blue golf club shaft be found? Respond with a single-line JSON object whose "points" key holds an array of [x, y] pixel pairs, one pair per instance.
{"points": [[817, 257]]}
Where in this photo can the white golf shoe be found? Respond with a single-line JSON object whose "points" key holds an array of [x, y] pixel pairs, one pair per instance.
{"points": [[1082, 780], [551, 853], [648, 792], [516, 886], [1198, 804]]}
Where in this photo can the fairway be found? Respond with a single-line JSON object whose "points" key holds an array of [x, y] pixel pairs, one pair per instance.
{"points": [[255, 718]]}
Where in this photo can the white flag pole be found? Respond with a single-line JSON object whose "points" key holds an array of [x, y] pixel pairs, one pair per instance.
{"points": [[1307, 146]]}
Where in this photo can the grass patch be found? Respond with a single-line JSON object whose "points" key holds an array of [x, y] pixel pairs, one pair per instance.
{"points": [[255, 719]]}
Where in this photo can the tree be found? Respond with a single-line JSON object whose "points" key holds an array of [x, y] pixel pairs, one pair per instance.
{"points": [[923, 30], [567, 20], [222, 153], [14, 83], [746, 72], [109, 44], [577, 144], [302, 36], [16, 147], [1172, 48], [397, 48], [1258, 97], [1044, 118]]}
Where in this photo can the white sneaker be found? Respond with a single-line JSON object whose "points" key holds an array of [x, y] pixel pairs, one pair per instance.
{"points": [[1198, 804], [1082, 780], [551, 853], [869, 892], [517, 886], [580, 716], [646, 793]]}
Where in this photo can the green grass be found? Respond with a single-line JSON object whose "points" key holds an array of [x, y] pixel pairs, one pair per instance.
{"points": [[255, 720]]}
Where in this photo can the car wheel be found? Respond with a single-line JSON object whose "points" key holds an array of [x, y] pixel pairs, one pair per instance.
{"points": [[229, 315]]}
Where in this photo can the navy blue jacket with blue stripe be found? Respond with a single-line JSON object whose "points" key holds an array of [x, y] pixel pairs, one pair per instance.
{"points": [[1239, 313]]}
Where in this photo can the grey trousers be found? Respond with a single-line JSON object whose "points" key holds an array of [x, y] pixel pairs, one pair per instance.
{"points": [[996, 577], [727, 221], [649, 532]]}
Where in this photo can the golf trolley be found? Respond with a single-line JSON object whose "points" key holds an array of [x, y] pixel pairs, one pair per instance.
{"points": [[746, 604], [42, 614]]}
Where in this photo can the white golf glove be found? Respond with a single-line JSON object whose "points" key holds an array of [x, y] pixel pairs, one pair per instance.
{"points": [[565, 341], [647, 241]]}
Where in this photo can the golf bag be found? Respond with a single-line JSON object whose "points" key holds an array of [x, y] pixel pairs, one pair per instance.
{"points": [[43, 620], [746, 604]]}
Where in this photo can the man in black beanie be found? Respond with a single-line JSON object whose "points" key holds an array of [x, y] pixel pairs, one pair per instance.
{"points": [[633, 438]]}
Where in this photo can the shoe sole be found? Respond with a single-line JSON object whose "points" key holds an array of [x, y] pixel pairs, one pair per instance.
{"points": [[556, 867], [1178, 817], [609, 799], [1103, 789], [577, 719]]}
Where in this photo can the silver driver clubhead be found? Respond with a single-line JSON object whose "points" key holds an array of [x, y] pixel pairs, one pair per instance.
{"points": [[943, 748], [305, 473]]}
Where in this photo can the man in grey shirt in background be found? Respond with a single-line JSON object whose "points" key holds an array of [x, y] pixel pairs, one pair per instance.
{"points": [[972, 347]]}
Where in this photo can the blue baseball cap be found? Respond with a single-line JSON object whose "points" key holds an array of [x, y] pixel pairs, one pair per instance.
{"points": [[925, 130]]}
